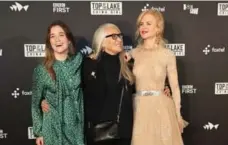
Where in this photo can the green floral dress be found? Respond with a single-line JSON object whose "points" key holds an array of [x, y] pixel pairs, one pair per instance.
{"points": [[63, 123]]}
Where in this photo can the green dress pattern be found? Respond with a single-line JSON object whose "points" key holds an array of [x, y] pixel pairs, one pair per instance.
{"points": [[63, 124]]}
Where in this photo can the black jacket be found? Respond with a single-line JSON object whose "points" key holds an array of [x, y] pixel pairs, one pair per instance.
{"points": [[102, 107]]}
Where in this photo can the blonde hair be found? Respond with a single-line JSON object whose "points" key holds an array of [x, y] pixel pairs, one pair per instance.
{"points": [[97, 47], [160, 25]]}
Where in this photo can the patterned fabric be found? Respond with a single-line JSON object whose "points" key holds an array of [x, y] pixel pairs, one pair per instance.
{"points": [[156, 118], [63, 123]]}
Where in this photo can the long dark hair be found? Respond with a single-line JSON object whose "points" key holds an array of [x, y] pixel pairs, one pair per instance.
{"points": [[49, 53]]}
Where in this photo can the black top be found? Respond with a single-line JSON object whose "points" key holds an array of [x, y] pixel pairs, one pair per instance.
{"points": [[112, 86], [102, 92]]}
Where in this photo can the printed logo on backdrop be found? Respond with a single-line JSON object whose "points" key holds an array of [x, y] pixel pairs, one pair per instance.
{"points": [[211, 126], [177, 48], [17, 92], [18, 7], [3, 135], [34, 50], [208, 49], [60, 8], [188, 89], [191, 9], [30, 133], [221, 88], [1, 51], [128, 47], [222, 9], [158, 8], [86, 50], [106, 8]]}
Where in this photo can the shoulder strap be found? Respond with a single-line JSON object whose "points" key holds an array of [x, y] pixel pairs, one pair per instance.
{"points": [[121, 99]]}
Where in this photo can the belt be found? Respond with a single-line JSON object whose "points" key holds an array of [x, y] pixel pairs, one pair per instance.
{"points": [[147, 93]]}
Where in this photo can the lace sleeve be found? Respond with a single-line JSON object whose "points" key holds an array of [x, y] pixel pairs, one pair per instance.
{"points": [[78, 61], [173, 80]]}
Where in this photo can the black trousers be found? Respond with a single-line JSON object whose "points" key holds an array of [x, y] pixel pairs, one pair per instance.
{"points": [[123, 141]]}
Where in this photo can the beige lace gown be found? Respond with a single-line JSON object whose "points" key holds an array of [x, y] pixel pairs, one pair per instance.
{"points": [[156, 117]]}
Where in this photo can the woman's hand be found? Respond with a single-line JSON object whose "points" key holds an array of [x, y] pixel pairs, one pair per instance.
{"points": [[167, 91], [127, 56], [39, 141], [45, 106]]}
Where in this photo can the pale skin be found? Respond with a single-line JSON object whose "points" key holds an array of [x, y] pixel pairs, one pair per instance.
{"points": [[59, 44], [147, 29]]}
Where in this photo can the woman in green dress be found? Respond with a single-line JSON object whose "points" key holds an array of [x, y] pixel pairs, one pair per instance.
{"points": [[58, 81]]}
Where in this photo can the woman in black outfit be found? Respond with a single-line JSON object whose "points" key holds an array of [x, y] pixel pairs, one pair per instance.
{"points": [[104, 73]]}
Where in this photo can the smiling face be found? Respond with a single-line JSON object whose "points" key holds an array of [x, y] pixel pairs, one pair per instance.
{"points": [[58, 40], [113, 42], [148, 26]]}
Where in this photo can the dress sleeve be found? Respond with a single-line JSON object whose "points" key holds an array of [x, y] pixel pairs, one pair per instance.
{"points": [[37, 90], [78, 61], [173, 81]]}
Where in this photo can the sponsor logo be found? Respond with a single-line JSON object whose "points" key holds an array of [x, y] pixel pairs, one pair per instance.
{"points": [[177, 48], [222, 9], [19, 7], [60, 8], [106, 8]]}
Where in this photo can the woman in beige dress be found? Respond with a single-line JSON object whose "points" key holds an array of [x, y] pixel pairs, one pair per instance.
{"points": [[157, 118]]}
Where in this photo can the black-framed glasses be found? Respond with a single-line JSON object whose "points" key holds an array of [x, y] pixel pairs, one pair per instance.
{"points": [[115, 36]]}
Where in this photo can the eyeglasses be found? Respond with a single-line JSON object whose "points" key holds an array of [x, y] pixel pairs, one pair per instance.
{"points": [[115, 36]]}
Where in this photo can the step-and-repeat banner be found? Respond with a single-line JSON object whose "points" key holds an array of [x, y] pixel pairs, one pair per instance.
{"points": [[197, 33]]}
